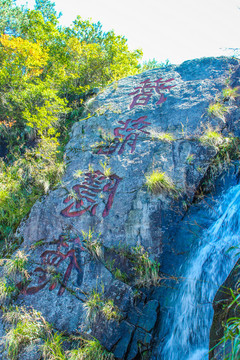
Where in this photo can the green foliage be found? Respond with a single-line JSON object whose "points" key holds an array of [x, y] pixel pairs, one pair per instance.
{"points": [[28, 327], [110, 57], [230, 93], [24, 180], [47, 9], [15, 266], [11, 16], [227, 151], [159, 182], [110, 311], [217, 110], [108, 140], [146, 269], [78, 174], [211, 138], [142, 270], [120, 275], [6, 291], [166, 137], [97, 303], [55, 277], [232, 335], [93, 305], [227, 147], [93, 244], [107, 171], [153, 64], [230, 341], [90, 350], [14, 272], [37, 243], [190, 158], [52, 347], [13, 203]]}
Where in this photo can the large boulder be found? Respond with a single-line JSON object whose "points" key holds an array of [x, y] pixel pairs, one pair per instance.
{"points": [[151, 121]]}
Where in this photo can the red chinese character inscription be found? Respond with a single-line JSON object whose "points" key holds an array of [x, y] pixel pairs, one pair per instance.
{"points": [[127, 134], [54, 258], [143, 93], [85, 199]]}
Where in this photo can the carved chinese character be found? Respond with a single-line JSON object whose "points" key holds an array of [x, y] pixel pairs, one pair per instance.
{"points": [[126, 135], [143, 93], [85, 194], [53, 259]]}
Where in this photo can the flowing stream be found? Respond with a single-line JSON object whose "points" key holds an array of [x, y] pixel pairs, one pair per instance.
{"points": [[190, 321]]}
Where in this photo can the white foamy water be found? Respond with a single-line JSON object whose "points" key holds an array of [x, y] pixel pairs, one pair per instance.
{"points": [[190, 320]]}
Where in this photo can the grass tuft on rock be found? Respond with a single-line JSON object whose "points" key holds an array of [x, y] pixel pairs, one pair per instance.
{"points": [[28, 327], [158, 182], [211, 138], [230, 93], [97, 303], [162, 136], [217, 110], [90, 350], [147, 270]]}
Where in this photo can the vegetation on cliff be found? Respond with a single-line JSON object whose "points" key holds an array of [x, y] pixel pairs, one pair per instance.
{"points": [[47, 71], [29, 329]]}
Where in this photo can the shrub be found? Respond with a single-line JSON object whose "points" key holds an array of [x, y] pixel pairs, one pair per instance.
{"points": [[25, 179], [29, 327], [142, 270], [44, 67], [153, 64]]}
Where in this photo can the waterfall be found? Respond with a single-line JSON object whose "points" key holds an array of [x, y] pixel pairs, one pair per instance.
{"points": [[190, 321]]}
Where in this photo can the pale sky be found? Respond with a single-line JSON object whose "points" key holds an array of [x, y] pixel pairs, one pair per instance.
{"points": [[177, 30]]}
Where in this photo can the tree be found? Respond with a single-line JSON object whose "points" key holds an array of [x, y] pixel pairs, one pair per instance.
{"points": [[12, 17], [47, 9]]}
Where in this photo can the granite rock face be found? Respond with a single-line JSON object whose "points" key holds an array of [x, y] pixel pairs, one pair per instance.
{"points": [[123, 138]]}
